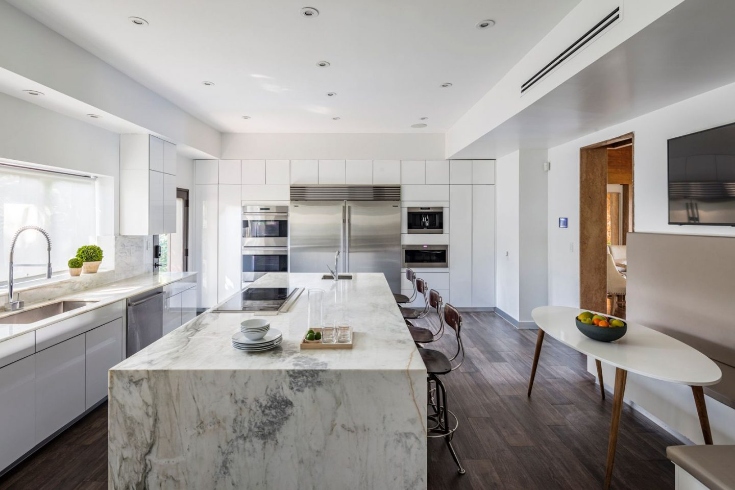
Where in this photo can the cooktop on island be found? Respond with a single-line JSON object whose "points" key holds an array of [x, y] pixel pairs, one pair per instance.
{"points": [[258, 299]]}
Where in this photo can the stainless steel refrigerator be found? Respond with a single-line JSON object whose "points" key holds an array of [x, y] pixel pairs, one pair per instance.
{"points": [[367, 234]]}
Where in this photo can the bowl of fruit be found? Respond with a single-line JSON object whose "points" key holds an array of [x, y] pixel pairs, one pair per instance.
{"points": [[601, 328]]}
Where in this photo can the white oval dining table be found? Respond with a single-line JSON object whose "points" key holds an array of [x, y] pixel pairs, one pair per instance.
{"points": [[642, 351]]}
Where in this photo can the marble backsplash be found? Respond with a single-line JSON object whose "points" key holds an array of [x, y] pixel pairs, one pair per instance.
{"points": [[132, 257]]}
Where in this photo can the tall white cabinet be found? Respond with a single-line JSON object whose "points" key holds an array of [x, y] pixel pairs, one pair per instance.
{"points": [[472, 233], [147, 185]]}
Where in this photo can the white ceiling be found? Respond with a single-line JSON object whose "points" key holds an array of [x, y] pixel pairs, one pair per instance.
{"points": [[686, 52], [388, 57]]}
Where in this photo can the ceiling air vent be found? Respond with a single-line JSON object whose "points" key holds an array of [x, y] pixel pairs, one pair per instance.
{"points": [[588, 36]]}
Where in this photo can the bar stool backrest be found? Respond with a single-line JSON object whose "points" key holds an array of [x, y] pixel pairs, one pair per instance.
{"points": [[411, 277], [436, 302], [453, 319]]}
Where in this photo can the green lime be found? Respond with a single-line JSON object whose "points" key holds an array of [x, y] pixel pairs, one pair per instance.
{"points": [[318, 336], [310, 335], [310, 331]]}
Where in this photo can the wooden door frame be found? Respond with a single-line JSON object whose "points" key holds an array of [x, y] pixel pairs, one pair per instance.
{"points": [[592, 229]]}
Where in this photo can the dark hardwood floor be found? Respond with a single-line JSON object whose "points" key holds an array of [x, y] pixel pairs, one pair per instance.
{"points": [[557, 439]]}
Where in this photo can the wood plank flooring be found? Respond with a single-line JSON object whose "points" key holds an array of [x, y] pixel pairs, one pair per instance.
{"points": [[557, 439]]}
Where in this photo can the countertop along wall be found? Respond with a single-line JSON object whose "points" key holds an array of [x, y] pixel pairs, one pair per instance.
{"points": [[651, 131]]}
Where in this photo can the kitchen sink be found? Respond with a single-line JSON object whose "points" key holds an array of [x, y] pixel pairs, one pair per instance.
{"points": [[339, 276], [37, 314]]}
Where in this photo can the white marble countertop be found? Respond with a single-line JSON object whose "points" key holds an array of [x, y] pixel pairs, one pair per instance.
{"points": [[104, 295], [381, 340]]}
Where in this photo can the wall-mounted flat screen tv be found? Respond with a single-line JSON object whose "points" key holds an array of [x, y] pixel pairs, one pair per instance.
{"points": [[702, 178]]}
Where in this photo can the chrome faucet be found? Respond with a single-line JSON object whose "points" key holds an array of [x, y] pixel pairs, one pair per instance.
{"points": [[335, 272], [16, 305]]}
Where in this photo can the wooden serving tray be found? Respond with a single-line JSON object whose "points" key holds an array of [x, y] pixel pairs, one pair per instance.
{"points": [[317, 344]]}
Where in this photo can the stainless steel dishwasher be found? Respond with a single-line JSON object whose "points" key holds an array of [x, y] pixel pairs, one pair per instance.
{"points": [[145, 320]]}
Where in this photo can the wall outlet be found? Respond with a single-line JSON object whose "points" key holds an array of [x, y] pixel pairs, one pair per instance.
{"points": [[547, 166]]}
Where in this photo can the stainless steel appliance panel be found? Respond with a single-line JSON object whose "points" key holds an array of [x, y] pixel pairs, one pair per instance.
{"points": [[417, 256], [373, 239], [145, 320], [265, 226], [259, 261], [316, 230]]}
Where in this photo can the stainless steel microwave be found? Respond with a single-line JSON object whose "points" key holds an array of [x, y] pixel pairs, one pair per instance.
{"points": [[425, 220], [423, 256]]}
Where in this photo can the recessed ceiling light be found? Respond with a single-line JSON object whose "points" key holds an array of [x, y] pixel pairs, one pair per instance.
{"points": [[336, 118], [33, 92], [138, 21], [208, 83], [331, 94], [246, 117], [485, 24], [323, 64], [446, 85], [424, 118], [419, 125], [94, 116], [309, 12]]}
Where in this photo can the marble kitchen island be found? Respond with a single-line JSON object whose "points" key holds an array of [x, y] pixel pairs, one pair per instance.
{"points": [[190, 411]]}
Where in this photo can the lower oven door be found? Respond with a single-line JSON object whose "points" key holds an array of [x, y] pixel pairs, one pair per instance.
{"points": [[259, 261], [418, 256]]}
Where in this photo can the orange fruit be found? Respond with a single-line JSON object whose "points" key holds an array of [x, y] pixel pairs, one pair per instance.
{"points": [[596, 321], [603, 324]]}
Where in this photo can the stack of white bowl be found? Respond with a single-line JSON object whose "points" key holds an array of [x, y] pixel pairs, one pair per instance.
{"points": [[256, 335]]}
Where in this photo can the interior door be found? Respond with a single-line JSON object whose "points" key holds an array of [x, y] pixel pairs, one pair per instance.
{"points": [[315, 234], [373, 239]]}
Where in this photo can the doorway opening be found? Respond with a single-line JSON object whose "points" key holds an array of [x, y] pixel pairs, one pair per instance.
{"points": [[605, 218], [175, 246]]}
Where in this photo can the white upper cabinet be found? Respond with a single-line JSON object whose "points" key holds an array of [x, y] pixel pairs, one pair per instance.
{"points": [[155, 146], [169, 203], [229, 253], [460, 245], [304, 172], [253, 172], [413, 172], [483, 246], [230, 172], [483, 172], [359, 172], [332, 172], [169, 158], [386, 172], [277, 172], [437, 172], [156, 203], [460, 172], [207, 172]]}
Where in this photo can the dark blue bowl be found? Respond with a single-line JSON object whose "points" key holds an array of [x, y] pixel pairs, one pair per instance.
{"points": [[601, 334]]}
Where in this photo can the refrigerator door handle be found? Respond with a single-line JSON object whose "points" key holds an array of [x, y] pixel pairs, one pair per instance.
{"points": [[347, 237]]}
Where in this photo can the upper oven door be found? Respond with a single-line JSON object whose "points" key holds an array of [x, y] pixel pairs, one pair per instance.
{"points": [[425, 220], [264, 226]]}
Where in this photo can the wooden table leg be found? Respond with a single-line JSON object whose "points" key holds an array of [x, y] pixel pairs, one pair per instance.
{"points": [[539, 341], [698, 393], [599, 377], [620, 377]]}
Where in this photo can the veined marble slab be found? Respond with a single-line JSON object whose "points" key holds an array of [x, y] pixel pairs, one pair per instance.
{"points": [[190, 411]]}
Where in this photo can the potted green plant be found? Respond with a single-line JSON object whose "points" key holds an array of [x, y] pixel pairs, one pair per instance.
{"points": [[75, 266], [91, 256]]}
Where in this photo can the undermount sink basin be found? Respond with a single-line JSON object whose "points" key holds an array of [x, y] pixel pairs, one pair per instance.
{"points": [[37, 314], [339, 276]]}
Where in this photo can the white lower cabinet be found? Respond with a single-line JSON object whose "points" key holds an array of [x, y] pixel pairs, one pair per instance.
{"points": [[17, 409], [188, 305], [229, 251], [483, 246], [60, 386], [104, 349], [172, 313], [460, 246], [205, 229]]}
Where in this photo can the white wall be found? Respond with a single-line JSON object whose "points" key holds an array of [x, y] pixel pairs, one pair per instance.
{"points": [[671, 404], [507, 229], [505, 100], [343, 146], [38, 53]]}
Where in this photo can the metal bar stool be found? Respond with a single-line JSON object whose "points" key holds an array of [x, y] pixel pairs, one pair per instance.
{"points": [[402, 298], [413, 313], [442, 422], [424, 335]]}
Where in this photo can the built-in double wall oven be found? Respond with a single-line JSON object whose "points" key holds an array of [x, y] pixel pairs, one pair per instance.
{"points": [[429, 256], [264, 241], [425, 220]]}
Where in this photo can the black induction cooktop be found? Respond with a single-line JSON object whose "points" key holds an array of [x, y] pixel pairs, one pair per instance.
{"points": [[261, 299]]}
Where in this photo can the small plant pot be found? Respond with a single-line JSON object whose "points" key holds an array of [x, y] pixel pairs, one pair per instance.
{"points": [[75, 272], [91, 267]]}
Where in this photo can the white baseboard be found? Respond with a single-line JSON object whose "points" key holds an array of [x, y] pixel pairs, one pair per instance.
{"points": [[517, 324]]}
